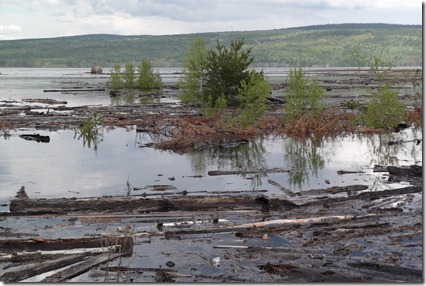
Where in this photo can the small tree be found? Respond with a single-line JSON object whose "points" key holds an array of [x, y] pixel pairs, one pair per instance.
{"points": [[147, 79], [116, 82], [252, 96], [195, 65], [129, 76], [304, 96], [384, 110], [226, 68]]}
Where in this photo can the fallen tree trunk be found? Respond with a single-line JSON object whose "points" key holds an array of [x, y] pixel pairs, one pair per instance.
{"points": [[245, 172], [76, 89], [80, 268], [186, 203], [35, 244], [32, 270]]}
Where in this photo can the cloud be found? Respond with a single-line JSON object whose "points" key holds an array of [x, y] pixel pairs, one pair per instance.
{"points": [[10, 28], [156, 17]]}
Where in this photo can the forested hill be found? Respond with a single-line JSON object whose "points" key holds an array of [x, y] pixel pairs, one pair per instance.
{"points": [[338, 45]]}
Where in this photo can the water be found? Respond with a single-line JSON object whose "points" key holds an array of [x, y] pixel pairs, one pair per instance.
{"points": [[65, 167]]}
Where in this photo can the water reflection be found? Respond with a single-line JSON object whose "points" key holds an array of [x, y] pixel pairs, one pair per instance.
{"points": [[131, 98], [381, 153], [303, 155], [243, 157]]}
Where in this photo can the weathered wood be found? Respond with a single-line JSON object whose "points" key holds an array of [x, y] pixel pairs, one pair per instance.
{"points": [[38, 268], [287, 191], [245, 172], [13, 245], [187, 203], [80, 268], [45, 100], [35, 137], [76, 89], [342, 172], [270, 223]]}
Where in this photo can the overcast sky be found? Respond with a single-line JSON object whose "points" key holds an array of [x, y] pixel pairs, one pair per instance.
{"points": [[21, 19]]}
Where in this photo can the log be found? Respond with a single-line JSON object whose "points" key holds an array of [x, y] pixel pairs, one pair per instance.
{"points": [[35, 137], [185, 203], [245, 172], [287, 191], [45, 100], [35, 244], [72, 90], [342, 172], [32, 270], [80, 268]]}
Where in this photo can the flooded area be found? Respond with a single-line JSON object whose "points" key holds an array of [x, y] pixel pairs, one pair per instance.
{"points": [[274, 208]]}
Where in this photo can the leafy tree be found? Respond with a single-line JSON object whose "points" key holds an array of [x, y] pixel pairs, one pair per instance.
{"points": [[194, 68], [384, 110], [304, 96], [252, 96], [226, 68], [129, 75], [147, 79], [116, 81]]}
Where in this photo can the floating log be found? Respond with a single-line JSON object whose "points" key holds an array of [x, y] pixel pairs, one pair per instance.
{"points": [[341, 172], [413, 170], [35, 137], [79, 269], [287, 191], [74, 89], [245, 172]]}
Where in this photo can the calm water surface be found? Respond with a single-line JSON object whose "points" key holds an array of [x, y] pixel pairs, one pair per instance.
{"points": [[66, 167]]}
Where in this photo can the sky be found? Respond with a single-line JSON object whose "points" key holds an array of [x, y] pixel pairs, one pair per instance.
{"points": [[23, 19]]}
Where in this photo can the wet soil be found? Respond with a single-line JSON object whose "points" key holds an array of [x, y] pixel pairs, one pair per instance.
{"points": [[338, 234]]}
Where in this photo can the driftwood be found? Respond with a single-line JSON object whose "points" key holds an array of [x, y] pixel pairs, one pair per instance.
{"points": [[35, 137], [287, 191], [74, 89], [342, 172], [45, 100], [38, 268], [35, 244], [186, 203], [80, 268], [245, 172]]}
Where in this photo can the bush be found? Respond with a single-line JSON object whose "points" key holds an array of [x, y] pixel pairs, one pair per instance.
{"points": [[226, 68], [129, 76], [252, 97], [191, 82], [304, 96], [115, 78], [147, 79], [384, 110]]}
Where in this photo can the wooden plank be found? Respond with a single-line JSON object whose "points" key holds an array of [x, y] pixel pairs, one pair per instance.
{"points": [[80, 268], [39, 268]]}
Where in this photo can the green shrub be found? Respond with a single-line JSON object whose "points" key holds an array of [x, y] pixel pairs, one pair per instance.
{"points": [[147, 79], [129, 76], [116, 82], [226, 68], [384, 110], [194, 68], [252, 97], [304, 96]]}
